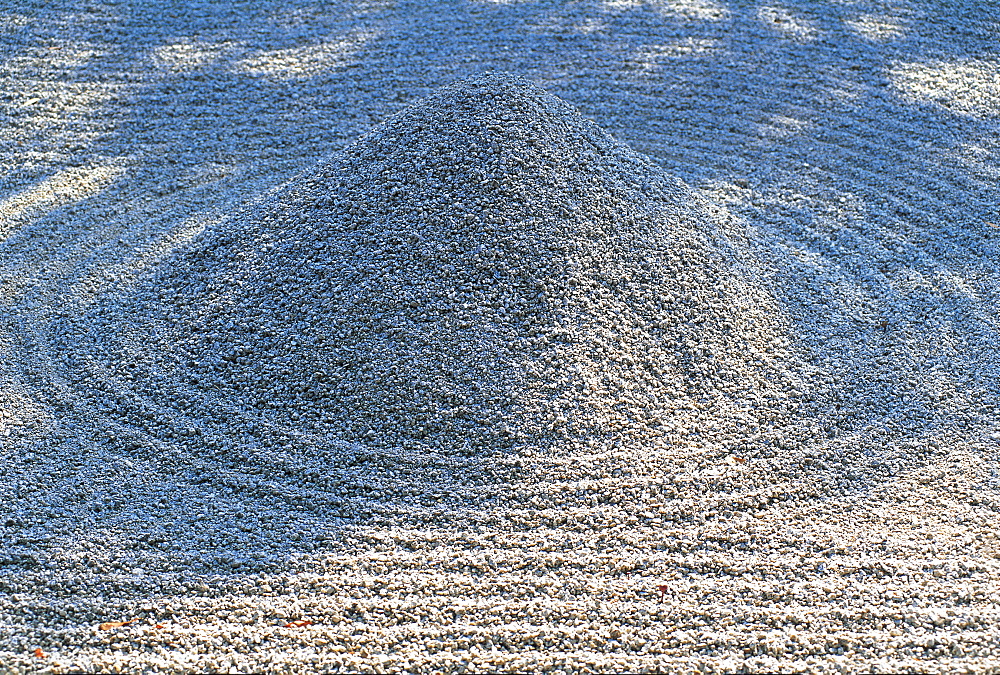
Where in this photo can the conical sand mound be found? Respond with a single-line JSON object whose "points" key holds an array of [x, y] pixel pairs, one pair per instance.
{"points": [[486, 269]]}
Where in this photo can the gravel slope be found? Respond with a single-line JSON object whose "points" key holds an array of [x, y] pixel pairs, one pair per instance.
{"points": [[487, 271], [847, 523]]}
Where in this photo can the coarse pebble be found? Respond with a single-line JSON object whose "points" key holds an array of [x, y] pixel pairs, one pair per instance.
{"points": [[491, 336]]}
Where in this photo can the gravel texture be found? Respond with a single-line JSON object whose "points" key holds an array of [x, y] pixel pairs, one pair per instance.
{"points": [[486, 271], [500, 336]]}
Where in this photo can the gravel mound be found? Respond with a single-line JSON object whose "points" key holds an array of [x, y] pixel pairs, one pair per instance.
{"points": [[485, 270]]}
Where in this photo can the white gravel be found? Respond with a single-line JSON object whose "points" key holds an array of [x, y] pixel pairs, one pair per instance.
{"points": [[483, 387]]}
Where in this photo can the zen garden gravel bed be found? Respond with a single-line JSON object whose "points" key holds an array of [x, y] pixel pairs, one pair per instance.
{"points": [[500, 336]]}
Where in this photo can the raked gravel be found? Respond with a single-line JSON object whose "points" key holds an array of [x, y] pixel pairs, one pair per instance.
{"points": [[674, 348]]}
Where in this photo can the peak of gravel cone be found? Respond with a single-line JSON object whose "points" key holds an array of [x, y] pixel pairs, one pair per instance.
{"points": [[485, 270]]}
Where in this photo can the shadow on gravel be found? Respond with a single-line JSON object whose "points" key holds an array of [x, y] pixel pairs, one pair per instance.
{"points": [[460, 288], [850, 180]]}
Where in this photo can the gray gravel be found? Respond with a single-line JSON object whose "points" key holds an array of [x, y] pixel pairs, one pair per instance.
{"points": [[486, 271], [675, 348]]}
